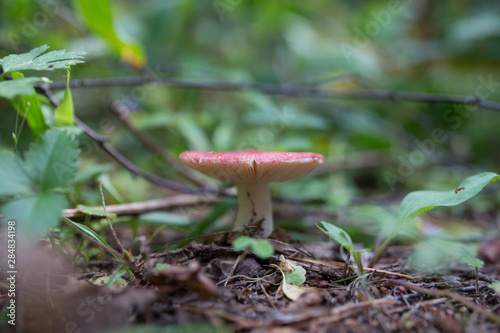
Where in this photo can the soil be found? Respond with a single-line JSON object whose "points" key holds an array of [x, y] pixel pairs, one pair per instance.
{"points": [[202, 290]]}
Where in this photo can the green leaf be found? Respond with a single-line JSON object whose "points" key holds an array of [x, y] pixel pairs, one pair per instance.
{"points": [[261, 247], [165, 218], [12, 88], [94, 235], [473, 261], [416, 203], [241, 243], [99, 17], [337, 234], [29, 107], [51, 161], [15, 179], [34, 60], [34, 216], [297, 276], [160, 266], [65, 111], [95, 212]]}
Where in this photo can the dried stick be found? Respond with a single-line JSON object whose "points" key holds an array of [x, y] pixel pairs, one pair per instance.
{"points": [[447, 293], [136, 208]]}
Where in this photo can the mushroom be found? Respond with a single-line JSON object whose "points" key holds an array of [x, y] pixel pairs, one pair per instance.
{"points": [[252, 171]]}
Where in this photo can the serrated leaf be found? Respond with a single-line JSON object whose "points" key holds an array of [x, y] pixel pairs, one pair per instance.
{"points": [[95, 212], [99, 17], [34, 60], [20, 87], [50, 162], [337, 234], [35, 215], [65, 112], [28, 106], [416, 203], [15, 179], [473, 261]]}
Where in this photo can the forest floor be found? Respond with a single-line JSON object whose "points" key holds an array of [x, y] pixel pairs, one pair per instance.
{"points": [[202, 290]]}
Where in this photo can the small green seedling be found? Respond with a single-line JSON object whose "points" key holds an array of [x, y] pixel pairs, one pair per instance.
{"points": [[261, 247], [159, 267], [476, 263], [342, 237]]}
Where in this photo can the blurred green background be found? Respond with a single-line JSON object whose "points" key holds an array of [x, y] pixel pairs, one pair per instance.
{"points": [[387, 148]]}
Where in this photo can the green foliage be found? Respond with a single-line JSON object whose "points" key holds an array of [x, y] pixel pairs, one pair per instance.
{"points": [[34, 60], [34, 181], [94, 235], [261, 247], [473, 261], [416, 203], [20, 87], [337, 234], [20, 92], [160, 266], [95, 212], [65, 111], [297, 276], [35, 215], [343, 238], [99, 17], [29, 107]]}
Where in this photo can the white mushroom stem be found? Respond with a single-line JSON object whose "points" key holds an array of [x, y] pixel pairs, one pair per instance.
{"points": [[254, 206]]}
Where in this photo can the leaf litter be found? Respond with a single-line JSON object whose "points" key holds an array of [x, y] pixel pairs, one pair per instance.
{"points": [[183, 290]]}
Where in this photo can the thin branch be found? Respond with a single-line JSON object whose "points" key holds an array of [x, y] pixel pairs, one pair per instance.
{"points": [[287, 90], [148, 141], [101, 141]]}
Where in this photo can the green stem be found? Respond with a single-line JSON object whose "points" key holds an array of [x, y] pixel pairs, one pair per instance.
{"points": [[381, 248]]}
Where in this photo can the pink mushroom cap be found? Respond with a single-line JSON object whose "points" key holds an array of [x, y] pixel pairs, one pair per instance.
{"points": [[252, 166]]}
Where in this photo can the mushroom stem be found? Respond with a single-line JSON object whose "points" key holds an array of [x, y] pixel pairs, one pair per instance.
{"points": [[254, 206]]}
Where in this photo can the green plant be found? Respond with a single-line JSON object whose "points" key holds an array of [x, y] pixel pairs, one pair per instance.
{"points": [[418, 202], [34, 187], [473, 262], [261, 247], [21, 94], [342, 237]]}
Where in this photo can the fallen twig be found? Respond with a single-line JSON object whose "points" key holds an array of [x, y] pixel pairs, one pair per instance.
{"points": [[447, 293], [135, 208]]}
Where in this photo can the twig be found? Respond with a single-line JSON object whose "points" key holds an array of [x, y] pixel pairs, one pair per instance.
{"points": [[101, 141], [124, 116], [136, 208], [447, 293], [113, 232], [287, 90]]}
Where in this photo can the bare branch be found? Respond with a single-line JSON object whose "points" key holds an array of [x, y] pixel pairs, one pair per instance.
{"points": [[136, 208], [287, 90], [101, 141]]}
